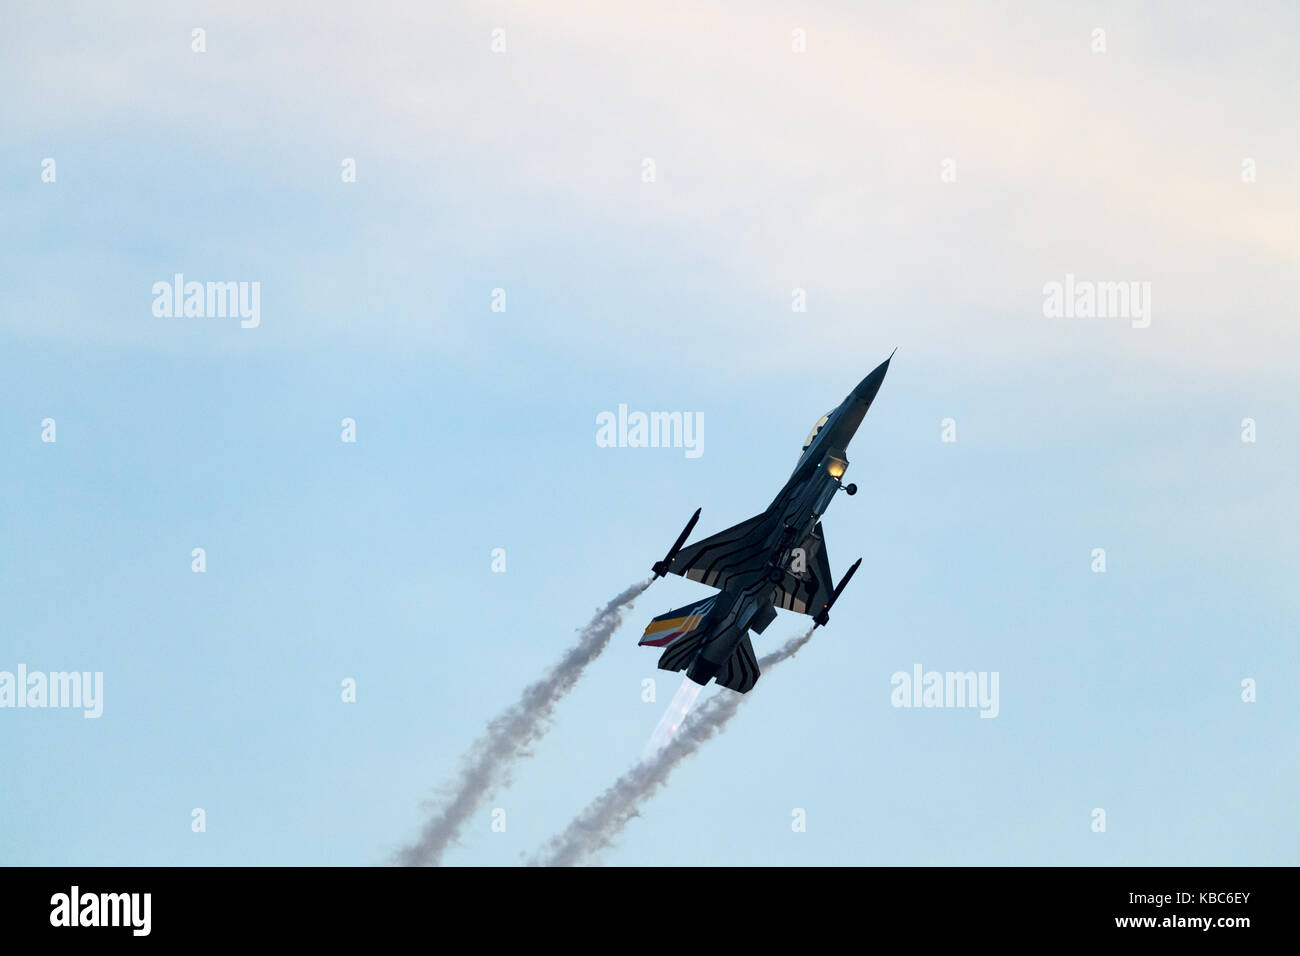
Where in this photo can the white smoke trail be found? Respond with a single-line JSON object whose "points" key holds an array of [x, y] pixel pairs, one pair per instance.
{"points": [[600, 824], [490, 761]]}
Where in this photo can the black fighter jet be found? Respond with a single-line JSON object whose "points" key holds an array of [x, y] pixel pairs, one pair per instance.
{"points": [[774, 559]]}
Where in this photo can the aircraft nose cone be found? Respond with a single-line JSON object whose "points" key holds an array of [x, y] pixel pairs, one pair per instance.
{"points": [[867, 388]]}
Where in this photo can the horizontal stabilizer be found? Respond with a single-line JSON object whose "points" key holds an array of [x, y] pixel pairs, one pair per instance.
{"points": [[679, 656], [741, 672]]}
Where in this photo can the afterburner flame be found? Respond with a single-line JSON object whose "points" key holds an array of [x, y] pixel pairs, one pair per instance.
{"points": [[672, 718]]}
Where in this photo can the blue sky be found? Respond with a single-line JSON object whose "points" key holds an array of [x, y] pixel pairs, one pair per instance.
{"points": [[476, 429]]}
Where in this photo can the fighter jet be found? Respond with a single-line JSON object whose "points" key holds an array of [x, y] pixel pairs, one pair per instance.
{"points": [[774, 559]]}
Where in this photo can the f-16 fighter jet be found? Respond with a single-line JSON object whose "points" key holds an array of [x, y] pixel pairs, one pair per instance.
{"points": [[774, 559]]}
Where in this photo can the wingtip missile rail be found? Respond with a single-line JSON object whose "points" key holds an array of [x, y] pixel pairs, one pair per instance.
{"points": [[822, 617], [660, 568]]}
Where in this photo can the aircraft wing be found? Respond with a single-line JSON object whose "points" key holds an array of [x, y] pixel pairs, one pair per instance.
{"points": [[742, 547], [715, 559], [807, 590]]}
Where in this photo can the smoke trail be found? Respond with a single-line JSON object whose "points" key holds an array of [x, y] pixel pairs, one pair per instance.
{"points": [[600, 824], [489, 763]]}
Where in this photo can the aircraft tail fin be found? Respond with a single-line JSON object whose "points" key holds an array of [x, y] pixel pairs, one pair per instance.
{"points": [[678, 625]]}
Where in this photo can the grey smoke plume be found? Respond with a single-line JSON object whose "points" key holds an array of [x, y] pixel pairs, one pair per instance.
{"points": [[489, 763], [600, 824]]}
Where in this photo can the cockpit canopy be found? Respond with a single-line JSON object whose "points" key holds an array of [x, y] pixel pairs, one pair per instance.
{"points": [[815, 429]]}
